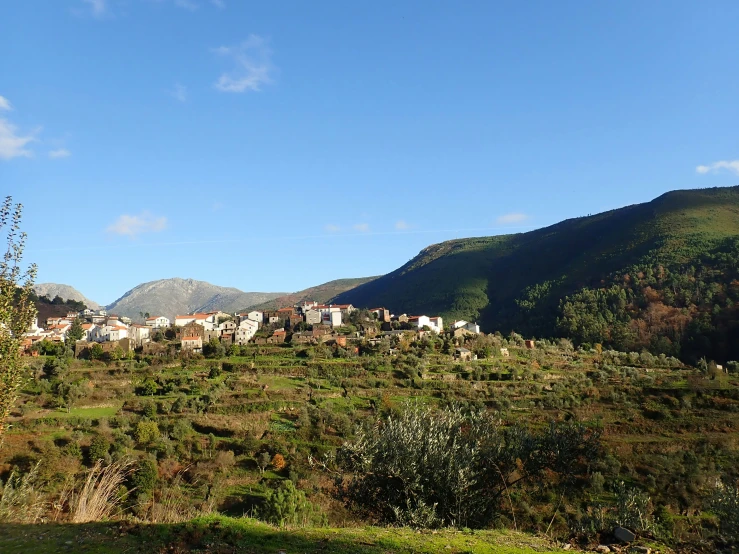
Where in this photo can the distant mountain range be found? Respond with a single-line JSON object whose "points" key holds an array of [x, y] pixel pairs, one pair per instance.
{"points": [[171, 297], [65, 292]]}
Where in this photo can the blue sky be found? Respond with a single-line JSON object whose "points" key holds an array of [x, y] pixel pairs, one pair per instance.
{"points": [[272, 146]]}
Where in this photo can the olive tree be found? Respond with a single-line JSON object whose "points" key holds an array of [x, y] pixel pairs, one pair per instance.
{"points": [[427, 468], [17, 309]]}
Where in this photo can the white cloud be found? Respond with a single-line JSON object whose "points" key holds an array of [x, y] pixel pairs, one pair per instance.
{"points": [[13, 144], [507, 219], [189, 5], [134, 225], [180, 92], [98, 7], [220, 4], [253, 66], [331, 228], [732, 166], [5, 104], [401, 225], [59, 153], [361, 227]]}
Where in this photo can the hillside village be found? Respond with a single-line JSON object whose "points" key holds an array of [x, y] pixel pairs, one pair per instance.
{"points": [[308, 322]]}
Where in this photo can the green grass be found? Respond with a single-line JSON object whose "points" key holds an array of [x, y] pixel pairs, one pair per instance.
{"points": [[91, 413], [223, 534]]}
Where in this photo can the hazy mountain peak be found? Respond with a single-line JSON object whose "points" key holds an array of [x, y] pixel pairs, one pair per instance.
{"points": [[66, 292], [173, 296]]}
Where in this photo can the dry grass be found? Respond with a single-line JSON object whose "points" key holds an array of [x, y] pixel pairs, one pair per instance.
{"points": [[98, 498], [20, 501]]}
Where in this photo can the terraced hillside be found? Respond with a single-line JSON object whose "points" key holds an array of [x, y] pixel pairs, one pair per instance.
{"points": [[217, 436]]}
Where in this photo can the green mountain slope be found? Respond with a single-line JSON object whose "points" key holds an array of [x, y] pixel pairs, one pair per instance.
{"points": [[521, 281]]}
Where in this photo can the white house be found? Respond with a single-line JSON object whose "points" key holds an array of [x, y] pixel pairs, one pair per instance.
{"points": [[467, 326], [345, 309], [208, 321], [254, 315], [115, 332], [90, 330], [307, 305], [332, 318], [157, 322], [139, 333], [245, 331], [434, 323]]}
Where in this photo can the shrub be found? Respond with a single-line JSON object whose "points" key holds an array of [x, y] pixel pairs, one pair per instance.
{"points": [[725, 504], [449, 467], [287, 506], [278, 462], [147, 431], [144, 477], [99, 448]]}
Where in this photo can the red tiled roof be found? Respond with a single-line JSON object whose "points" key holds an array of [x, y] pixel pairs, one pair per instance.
{"points": [[191, 338]]}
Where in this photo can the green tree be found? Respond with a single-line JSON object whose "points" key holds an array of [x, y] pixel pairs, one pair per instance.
{"points": [[17, 310], [99, 448], [147, 431], [75, 332], [144, 477], [96, 351], [287, 506], [69, 393]]}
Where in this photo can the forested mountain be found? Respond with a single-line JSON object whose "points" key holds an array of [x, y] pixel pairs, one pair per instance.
{"points": [[660, 275], [320, 293]]}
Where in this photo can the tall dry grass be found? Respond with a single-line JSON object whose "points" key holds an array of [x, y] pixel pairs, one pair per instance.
{"points": [[99, 497], [21, 501]]}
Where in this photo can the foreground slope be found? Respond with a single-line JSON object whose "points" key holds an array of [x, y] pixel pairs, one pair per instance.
{"points": [[518, 281], [222, 534], [170, 297]]}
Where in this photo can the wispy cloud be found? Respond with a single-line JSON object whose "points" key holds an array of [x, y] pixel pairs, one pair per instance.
{"points": [[401, 225], [220, 4], [189, 5], [508, 219], [12, 142], [180, 92], [98, 8], [361, 227], [252, 66], [134, 225], [331, 228], [59, 153], [728, 165]]}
